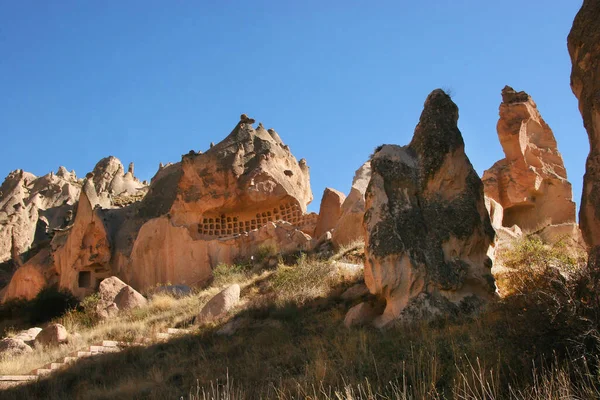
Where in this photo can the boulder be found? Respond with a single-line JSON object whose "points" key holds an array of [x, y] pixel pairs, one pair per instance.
{"points": [[128, 299], [330, 211], [28, 335], [11, 347], [428, 231], [220, 304], [349, 227], [530, 183], [361, 314], [585, 81], [52, 335], [108, 290]]}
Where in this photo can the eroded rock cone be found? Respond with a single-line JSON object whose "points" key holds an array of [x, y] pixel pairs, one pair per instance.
{"points": [[349, 226], [584, 49], [329, 211], [530, 183], [427, 227]]}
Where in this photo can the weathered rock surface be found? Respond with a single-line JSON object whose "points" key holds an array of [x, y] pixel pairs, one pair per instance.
{"points": [[361, 314], [530, 183], [329, 211], [11, 347], [584, 49], [52, 335], [28, 335], [128, 298], [221, 206], [349, 227], [428, 230], [244, 193], [108, 290], [220, 304]]}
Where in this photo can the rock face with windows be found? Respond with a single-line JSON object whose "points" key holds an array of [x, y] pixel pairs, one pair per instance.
{"points": [[245, 193], [530, 184], [428, 231]]}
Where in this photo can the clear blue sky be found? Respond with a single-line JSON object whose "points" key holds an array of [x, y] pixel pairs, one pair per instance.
{"points": [[146, 81]]}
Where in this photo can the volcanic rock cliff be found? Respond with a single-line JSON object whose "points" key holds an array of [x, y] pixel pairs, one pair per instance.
{"points": [[584, 49], [221, 206]]}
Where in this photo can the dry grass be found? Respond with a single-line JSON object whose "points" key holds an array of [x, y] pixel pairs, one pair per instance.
{"points": [[293, 345]]}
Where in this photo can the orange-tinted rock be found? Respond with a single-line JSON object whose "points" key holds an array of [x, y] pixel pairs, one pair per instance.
{"points": [[243, 194], [330, 211], [530, 183], [350, 224], [584, 49], [428, 231]]}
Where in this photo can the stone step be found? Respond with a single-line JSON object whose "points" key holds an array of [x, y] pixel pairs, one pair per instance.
{"points": [[42, 371], [80, 354], [68, 360], [96, 349], [110, 343], [163, 336], [54, 365], [175, 331], [18, 378]]}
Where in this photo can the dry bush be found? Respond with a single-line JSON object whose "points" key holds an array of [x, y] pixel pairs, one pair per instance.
{"points": [[308, 279]]}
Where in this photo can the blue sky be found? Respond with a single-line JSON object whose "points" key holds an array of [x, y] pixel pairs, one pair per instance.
{"points": [[146, 81]]}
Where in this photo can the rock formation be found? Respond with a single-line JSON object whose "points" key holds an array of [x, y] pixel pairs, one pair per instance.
{"points": [[427, 227], [221, 206], [330, 211], [584, 49], [349, 227], [530, 184]]}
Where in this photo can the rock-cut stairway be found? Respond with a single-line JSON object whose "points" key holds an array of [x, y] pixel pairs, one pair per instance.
{"points": [[106, 346]]}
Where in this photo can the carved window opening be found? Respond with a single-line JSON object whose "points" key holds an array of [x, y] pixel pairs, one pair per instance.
{"points": [[84, 279]]}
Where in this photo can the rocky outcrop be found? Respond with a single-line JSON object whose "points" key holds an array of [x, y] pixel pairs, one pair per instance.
{"points": [[530, 183], [31, 207], [243, 194], [584, 49], [38, 233], [330, 211], [428, 230], [349, 227]]}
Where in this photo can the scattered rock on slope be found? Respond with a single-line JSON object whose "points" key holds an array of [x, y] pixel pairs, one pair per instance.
{"points": [[427, 227], [220, 304]]}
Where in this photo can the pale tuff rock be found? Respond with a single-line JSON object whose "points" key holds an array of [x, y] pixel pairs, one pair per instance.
{"points": [[220, 304], [530, 183], [329, 212], [584, 49], [245, 193], [52, 335], [349, 227], [128, 298], [428, 230]]}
